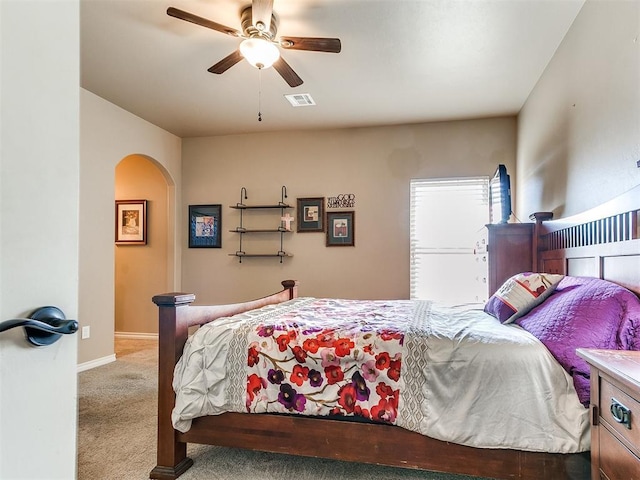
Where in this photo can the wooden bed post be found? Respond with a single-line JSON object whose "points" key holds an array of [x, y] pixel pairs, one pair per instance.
{"points": [[173, 331], [538, 217], [292, 286]]}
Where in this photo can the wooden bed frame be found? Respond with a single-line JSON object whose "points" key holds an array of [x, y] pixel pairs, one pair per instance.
{"points": [[604, 243]]}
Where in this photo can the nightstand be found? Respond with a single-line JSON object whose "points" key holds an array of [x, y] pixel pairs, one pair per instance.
{"points": [[615, 413]]}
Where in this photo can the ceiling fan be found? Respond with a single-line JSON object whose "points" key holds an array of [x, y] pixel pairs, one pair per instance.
{"points": [[260, 45]]}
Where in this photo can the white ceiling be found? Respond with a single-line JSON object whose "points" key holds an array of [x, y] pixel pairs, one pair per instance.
{"points": [[402, 61]]}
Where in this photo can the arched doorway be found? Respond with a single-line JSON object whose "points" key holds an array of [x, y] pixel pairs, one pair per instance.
{"points": [[142, 271]]}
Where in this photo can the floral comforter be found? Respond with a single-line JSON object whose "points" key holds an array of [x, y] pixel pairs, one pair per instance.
{"points": [[334, 357], [453, 374]]}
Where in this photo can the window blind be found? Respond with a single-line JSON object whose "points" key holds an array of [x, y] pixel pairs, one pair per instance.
{"points": [[446, 216]]}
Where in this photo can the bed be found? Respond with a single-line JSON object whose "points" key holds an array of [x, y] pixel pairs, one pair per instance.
{"points": [[603, 244]]}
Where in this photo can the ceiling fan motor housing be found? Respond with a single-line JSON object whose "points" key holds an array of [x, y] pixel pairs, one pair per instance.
{"points": [[251, 30]]}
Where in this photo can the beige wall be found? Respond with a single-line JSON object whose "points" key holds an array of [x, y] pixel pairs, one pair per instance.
{"points": [[375, 164], [141, 271], [107, 135], [579, 131]]}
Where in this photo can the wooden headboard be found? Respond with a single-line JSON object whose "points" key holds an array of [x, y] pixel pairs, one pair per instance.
{"points": [[603, 242]]}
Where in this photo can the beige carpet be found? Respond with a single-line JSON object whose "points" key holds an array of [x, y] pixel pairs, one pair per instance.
{"points": [[117, 427]]}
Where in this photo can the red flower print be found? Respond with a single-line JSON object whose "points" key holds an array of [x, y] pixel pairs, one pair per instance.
{"points": [[283, 342], [387, 335], [383, 390], [334, 374], [360, 412], [384, 411], [343, 346], [254, 385], [368, 349], [394, 370], [253, 356], [326, 338], [311, 345], [300, 354], [292, 334], [347, 397], [393, 399], [299, 375], [382, 361]]}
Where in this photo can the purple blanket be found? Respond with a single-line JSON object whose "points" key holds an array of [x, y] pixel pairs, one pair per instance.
{"points": [[585, 313]]}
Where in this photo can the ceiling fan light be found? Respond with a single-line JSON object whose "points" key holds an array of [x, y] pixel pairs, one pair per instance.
{"points": [[259, 52]]}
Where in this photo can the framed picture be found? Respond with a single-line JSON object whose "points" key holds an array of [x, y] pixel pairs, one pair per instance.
{"points": [[131, 222], [205, 224], [310, 214], [340, 229]]}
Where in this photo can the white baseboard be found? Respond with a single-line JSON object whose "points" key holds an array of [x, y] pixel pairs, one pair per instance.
{"points": [[96, 363], [112, 358], [142, 336]]}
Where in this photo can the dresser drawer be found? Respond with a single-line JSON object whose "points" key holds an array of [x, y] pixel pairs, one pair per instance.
{"points": [[481, 245], [616, 461], [612, 398]]}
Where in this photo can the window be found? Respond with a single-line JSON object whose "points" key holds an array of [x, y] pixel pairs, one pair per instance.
{"points": [[446, 218]]}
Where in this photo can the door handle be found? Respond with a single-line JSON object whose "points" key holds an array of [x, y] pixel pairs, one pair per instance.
{"points": [[44, 326]]}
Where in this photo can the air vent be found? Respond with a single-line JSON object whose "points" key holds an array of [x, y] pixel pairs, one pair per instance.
{"points": [[300, 100]]}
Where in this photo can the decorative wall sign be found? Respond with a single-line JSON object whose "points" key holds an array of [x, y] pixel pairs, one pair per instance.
{"points": [[340, 229], [131, 222], [205, 226], [310, 214], [286, 220], [344, 200]]}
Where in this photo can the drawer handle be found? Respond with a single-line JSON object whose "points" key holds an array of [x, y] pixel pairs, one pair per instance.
{"points": [[621, 414]]}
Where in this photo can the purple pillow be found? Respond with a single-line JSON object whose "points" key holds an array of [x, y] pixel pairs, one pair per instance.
{"points": [[585, 312]]}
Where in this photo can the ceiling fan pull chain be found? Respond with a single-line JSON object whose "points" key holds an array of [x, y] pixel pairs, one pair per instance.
{"points": [[259, 94]]}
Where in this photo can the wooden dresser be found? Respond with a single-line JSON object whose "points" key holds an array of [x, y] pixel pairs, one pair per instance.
{"points": [[615, 413], [502, 250]]}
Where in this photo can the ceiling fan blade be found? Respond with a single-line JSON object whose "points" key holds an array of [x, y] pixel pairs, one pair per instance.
{"points": [[261, 11], [226, 63], [190, 17], [330, 45], [287, 73]]}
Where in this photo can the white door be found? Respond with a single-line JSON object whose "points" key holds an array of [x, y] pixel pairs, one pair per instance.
{"points": [[39, 174]]}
